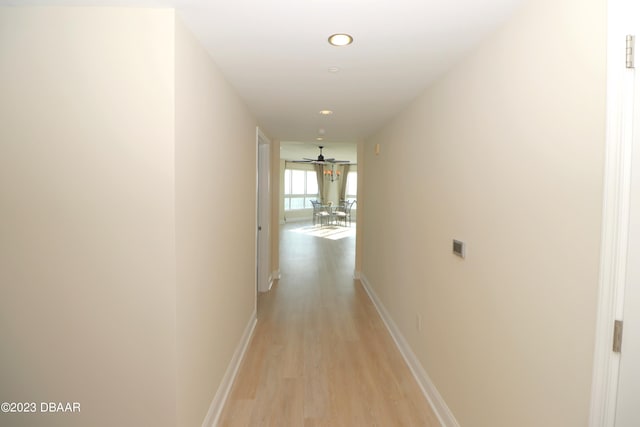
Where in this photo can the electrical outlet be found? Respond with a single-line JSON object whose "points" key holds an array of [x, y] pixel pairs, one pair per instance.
{"points": [[418, 322]]}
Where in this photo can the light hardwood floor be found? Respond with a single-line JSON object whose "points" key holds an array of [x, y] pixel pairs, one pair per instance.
{"points": [[320, 355]]}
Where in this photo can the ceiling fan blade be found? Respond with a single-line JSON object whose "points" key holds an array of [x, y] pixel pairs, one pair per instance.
{"points": [[321, 160]]}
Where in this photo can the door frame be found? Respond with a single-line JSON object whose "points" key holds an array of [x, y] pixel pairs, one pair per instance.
{"points": [[264, 278], [615, 217]]}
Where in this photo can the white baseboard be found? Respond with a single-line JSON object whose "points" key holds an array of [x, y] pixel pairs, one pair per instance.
{"points": [[444, 414], [219, 400]]}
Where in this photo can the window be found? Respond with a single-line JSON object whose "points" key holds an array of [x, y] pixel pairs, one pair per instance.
{"points": [[300, 188], [352, 186]]}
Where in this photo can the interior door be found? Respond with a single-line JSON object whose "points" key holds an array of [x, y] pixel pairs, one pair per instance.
{"points": [[628, 397]]}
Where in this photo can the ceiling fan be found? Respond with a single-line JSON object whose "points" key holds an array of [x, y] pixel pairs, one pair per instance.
{"points": [[321, 160]]}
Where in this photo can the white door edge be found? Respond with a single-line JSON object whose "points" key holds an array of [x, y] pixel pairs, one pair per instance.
{"points": [[615, 222], [263, 217]]}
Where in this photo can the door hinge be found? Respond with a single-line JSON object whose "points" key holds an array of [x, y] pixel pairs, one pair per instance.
{"points": [[630, 51], [617, 336]]}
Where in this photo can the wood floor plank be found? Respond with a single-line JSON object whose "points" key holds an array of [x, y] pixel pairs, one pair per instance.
{"points": [[321, 355], [238, 412]]}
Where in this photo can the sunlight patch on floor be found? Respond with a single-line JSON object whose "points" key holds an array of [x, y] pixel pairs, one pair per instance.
{"points": [[332, 232]]}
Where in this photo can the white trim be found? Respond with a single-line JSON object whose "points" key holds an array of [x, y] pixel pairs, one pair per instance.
{"points": [[219, 400], [263, 212], [442, 411], [615, 224], [269, 285], [275, 275], [257, 206]]}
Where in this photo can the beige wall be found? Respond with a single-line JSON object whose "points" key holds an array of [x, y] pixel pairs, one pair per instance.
{"points": [[87, 294], [504, 152], [126, 259], [215, 225]]}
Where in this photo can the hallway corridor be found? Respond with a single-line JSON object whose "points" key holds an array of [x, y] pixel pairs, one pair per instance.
{"points": [[321, 355]]}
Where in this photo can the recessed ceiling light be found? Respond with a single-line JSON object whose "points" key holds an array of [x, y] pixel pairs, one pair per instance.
{"points": [[326, 112], [340, 39], [333, 69], [319, 139]]}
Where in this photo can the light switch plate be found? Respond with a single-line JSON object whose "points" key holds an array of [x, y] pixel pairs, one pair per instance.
{"points": [[459, 248]]}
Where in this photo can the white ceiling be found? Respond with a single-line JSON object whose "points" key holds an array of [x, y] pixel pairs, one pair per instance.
{"points": [[276, 55]]}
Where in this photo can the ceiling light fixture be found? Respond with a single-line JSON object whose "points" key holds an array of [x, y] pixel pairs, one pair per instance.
{"points": [[325, 112], [340, 39], [333, 69], [332, 174]]}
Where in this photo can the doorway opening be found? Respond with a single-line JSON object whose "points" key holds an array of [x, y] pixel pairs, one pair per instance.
{"points": [[318, 200]]}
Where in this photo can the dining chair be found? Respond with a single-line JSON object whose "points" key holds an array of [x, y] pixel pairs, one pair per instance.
{"points": [[321, 213], [342, 213]]}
